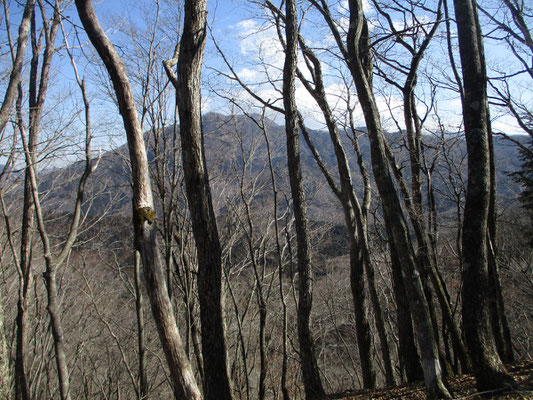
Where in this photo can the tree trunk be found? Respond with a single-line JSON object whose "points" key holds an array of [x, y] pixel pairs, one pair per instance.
{"points": [[488, 369], [353, 217], [393, 213], [188, 94], [51, 269], [143, 211], [308, 362], [14, 77], [5, 373], [141, 348], [500, 326], [27, 226], [357, 284], [279, 256], [407, 354], [57, 328], [38, 86], [26, 278]]}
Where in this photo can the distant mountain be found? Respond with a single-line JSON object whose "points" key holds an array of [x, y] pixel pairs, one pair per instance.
{"points": [[231, 142]]}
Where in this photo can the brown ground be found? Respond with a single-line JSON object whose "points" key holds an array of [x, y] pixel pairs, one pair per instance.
{"points": [[463, 387]]}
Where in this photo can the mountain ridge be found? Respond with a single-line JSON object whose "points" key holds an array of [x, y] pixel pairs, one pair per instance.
{"points": [[232, 141]]}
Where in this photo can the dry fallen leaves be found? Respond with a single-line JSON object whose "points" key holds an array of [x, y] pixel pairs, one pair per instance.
{"points": [[463, 387]]}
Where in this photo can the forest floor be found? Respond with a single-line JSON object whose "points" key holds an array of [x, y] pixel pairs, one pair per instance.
{"points": [[463, 388]]}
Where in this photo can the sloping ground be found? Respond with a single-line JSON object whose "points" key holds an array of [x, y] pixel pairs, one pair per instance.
{"points": [[463, 388]]}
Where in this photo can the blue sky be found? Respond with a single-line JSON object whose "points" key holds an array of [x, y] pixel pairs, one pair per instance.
{"points": [[237, 26]]}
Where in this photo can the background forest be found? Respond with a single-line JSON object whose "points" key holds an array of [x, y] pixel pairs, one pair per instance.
{"points": [[263, 199]]}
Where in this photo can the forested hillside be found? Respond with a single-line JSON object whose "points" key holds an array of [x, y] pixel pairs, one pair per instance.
{"points": [[265, 199], [109, 190]]}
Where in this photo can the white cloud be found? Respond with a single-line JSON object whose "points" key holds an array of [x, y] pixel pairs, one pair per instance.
{"points": [[247, 74]]}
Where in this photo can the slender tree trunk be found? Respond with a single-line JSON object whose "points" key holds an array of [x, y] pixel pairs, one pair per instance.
{"points": [[362, 325], [141, 348], [27, 226], [22, 40], [57, 328], [308, 362], [38, 86], [182, 377], [417, 218], [50, 271], [216, 378], [26, 278], [394, 217], [279, 255], [500, 326], [352, 216], [488, 369], [425, 261], [407, 353], [21, 384], [380, 323]]}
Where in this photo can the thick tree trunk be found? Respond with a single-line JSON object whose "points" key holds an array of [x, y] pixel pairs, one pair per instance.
{"points": [[216, 378], [488, 369], [5, 373], [143, 211], [311, 376]]}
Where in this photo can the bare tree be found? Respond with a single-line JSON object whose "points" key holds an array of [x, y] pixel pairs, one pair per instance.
{"points": [[509, 22], [353, 212], [18, 60], [358, 57], [38, 86], [415, 45], [489, 370], [311, 376], [188, 57], [143, 211]]}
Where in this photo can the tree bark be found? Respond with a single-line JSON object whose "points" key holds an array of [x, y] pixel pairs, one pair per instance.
{"points": [[409, 361], [182, 377], [5, 373], [27, 225], [188, 94], [488, 369], [500, 326], [311, 376], [141, 348]]}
